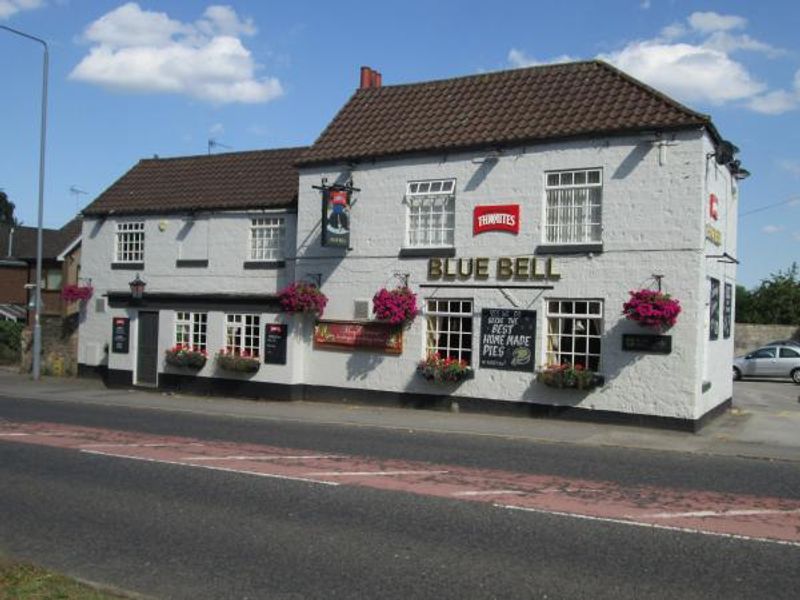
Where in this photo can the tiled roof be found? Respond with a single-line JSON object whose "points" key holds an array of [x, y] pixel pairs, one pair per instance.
{"points": [[23, 240], [497, 109], [234, 180]]}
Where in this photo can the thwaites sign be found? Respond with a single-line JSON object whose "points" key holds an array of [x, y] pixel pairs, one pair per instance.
{"points": [[500, 217], [336, 218]]}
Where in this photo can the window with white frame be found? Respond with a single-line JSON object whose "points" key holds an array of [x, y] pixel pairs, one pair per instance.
{"points": [[243, 334], [430, 213], [449, 328], [130, 243], [191, 329], [573, 207], [267, 235], [574, 330]]}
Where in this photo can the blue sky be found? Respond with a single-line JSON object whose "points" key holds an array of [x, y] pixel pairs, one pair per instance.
{"points": [[129, 80]]}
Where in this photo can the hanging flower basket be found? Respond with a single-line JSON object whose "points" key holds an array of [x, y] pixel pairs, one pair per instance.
{"points": [[567, 376], [397, 306], [237, 362], [444, 370], [76, 293], [186, 356], [652, 309], [302, 297]]}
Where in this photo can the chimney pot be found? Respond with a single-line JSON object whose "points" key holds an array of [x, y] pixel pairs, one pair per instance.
{"points": [[377, 79], [366, 78]]}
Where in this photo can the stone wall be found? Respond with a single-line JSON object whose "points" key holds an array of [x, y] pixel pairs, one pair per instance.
{"points": [[748, 337], [59, 346]]}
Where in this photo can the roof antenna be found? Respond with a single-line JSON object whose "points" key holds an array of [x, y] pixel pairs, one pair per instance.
{"points": [[212, 143], [76, 193]]}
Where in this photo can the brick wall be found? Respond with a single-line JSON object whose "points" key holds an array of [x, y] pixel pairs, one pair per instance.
{"points": [[749, 337]]}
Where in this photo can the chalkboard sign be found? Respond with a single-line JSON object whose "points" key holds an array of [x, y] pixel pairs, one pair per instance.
{"points": [[507, 339], [275, 335], [655, 344], [120, 335], [713, 310]]}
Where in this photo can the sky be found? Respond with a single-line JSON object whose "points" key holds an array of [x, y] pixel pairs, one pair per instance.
{"points": [[128, 80]]}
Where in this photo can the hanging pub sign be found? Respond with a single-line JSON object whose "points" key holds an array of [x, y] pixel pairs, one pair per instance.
{"points": [[377, 336], [275, 335], [713, 207], [496, 218], [507, 339], [120, 335], [336, 218]]}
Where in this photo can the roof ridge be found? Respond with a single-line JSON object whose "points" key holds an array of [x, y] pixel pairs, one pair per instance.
{"points": [[218, 154]]}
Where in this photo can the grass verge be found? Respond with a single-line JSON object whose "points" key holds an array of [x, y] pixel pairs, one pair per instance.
{"points": [[22, 581]]}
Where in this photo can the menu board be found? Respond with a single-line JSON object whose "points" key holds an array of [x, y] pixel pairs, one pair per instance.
{"points": [[507, 339], [713, 310], [275, 336], [726, 311], [120, 335]]}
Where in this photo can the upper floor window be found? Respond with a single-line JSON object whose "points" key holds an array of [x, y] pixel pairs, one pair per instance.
{"points": [[431, 213], [573, 207], [267, 235], [130, 243]]}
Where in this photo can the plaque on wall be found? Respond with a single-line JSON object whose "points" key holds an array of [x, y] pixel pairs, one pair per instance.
{"points": [[275, 336], [376, 336], [654, 344], [120, 335], [507, 339]]}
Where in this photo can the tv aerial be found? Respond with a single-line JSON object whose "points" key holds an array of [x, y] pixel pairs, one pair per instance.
{"points": [[212, 143], [77, 193]]}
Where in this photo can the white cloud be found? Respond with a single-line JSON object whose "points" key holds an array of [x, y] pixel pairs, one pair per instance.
{"points": [[147, 51], [796, 236], [216, 129], [9, 8], [772, 229], [708, 22], [645, 4], [694, 61], [518, 58], [792, 166]]}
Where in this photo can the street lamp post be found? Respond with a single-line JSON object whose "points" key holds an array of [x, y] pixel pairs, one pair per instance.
{"points": [[37, 325]]}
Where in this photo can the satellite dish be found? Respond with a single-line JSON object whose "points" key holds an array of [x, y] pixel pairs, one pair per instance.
{"points": [[725, 152]]}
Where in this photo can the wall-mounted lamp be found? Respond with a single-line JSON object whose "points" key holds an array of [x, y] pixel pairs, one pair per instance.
{"points": [[137, 289]]}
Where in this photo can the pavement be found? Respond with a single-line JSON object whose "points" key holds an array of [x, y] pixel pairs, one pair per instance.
{"points": [[763, 423]]}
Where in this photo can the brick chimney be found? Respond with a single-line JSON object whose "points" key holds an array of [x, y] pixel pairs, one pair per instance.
{"points": [[370, 78]]}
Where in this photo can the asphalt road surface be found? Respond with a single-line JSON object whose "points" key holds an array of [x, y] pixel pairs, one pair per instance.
{"points": [[175, 505]]}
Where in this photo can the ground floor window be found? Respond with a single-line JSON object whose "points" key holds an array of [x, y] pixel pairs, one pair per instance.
{"points": [[574, 329], [190, 329], [449, 328], [243, 334]]}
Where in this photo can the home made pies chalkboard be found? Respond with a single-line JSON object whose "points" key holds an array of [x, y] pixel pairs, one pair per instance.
{"points": [[507, 339]]}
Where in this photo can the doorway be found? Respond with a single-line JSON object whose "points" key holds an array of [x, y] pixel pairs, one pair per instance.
{"points": [[147, 352]]}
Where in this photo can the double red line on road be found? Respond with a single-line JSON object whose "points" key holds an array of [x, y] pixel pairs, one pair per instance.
{"points": [[745, 516]]}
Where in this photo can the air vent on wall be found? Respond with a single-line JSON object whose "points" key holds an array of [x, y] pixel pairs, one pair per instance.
{"points": [[100, 305], [361, 309]]}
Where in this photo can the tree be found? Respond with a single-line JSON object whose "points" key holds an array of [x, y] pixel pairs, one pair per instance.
{"points": [[7, 211], [775, 301]]}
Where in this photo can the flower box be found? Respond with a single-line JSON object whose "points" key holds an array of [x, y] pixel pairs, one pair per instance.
{"points": [[76, 293], [568, 376], [236, 362], [653, 309], [302, 297], [397, 306], [186, 356], [444, 370]]}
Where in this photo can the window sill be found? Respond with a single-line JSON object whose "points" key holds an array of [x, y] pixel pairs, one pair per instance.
{"points": [[127, 266], [264, 264], [594, 248], [191, 262], [425, 252]]}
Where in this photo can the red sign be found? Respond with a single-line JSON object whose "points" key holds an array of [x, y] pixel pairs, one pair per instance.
{"points": [[713, 207], [354, 334], [501, 217]]}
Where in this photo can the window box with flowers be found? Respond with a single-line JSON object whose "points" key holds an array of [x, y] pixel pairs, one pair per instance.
{"points": [[566, 375], [397, 306], [237, 362], [186, 356], [444, 370], [652, 309], [302, 297], [76, 293]]}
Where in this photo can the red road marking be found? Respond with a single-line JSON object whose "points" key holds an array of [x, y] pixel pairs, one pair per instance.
{"points": [[752, 517]]}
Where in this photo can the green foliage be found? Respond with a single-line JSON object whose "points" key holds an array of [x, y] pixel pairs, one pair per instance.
{"points": [[775, 301], [7, 211], [10, 341]]}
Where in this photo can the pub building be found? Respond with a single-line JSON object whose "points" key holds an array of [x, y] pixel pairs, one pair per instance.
{"points": [[520, 207]]}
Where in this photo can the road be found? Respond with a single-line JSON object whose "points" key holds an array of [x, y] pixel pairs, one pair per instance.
{"points": [[181, 505]]}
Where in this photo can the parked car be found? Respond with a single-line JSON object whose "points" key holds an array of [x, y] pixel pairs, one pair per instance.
{"points": [[785, 343], [769, 361]]}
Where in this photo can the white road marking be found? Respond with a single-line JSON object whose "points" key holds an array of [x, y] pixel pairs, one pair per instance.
{"points": [[719, 513], [209, 467], [367, 473], [260, 457], [734, 536], [134, 445], [13, 434], [486, 492]]}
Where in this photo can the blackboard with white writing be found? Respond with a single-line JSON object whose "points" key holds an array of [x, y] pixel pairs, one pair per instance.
{"points": [[275, 335], [120, 335], [507, 339]]}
